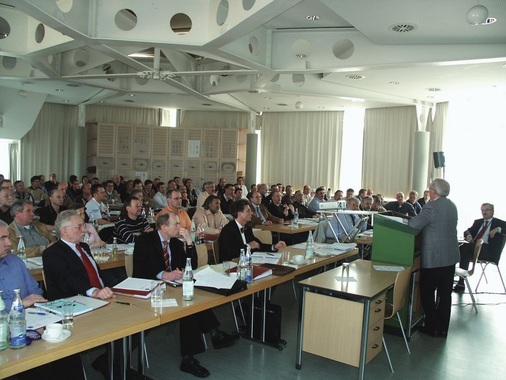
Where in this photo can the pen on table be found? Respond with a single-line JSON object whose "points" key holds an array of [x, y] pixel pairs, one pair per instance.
{"points": [[36, 313], [172, 283], [123, 303]]}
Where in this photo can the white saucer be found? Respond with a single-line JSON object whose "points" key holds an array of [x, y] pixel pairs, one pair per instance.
{"points": [[292, 261], [65, 334]]}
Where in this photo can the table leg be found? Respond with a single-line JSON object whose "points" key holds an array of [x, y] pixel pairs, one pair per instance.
{"points": [[140, 352], [298, 359], [264, 312], [363, 346], [110, 359]]}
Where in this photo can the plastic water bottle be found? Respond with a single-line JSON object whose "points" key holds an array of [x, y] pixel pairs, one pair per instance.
{"points": [[193, 234], [115, 246], [86, 238], [241, 269], [188, 289], [17, 323], [4, 325], [21, 250], [310, 246], [248, 265], [296, 217]]}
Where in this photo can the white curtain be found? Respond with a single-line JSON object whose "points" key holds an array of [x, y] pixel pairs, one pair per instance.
{"points": [[13, 161], [437, 130], [54, 144], [122, 115], [301, 148], [389, 135], [200, 119]]}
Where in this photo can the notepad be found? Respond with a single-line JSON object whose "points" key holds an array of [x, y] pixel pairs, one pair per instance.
{"points": [[82, 304], [135, 287]]}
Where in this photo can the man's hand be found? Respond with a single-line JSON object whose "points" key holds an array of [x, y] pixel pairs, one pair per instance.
{"points": [[254, 245], [103, 294], [174, 275], [148, 229], [493, 232], [280, 244], [267, 223], [185, 234], [31, 299]]}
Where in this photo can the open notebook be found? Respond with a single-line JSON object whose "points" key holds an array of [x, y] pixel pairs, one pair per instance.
{"points": [[82, 304]]}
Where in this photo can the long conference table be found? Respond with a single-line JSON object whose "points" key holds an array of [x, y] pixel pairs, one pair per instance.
{"points": [[111, 322]]}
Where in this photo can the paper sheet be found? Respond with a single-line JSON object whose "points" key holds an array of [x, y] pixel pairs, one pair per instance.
{"points": [[37, 318], [209, 277], [265, 257], [388, 268]]}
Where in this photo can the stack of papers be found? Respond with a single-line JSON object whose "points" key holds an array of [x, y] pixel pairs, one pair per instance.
{"points": [[136, 287], [34, 262], [82, 304], [210, 278], [37, 318], [265, 257]]}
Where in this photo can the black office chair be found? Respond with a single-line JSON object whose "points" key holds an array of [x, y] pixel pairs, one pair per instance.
{"points": [[485, 263]]}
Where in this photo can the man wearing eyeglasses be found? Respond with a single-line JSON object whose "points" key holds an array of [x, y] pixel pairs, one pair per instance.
{"points": [[314, 205], [175, 205], [492, 231], [260, 214]]}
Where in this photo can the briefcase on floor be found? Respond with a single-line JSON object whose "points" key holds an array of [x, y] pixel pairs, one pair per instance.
{"points": [[272, 322]]}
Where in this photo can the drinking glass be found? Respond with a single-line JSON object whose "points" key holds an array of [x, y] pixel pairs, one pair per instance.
{"points": [[68, 315]]}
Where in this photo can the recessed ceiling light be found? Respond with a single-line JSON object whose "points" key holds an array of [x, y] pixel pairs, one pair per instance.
{"points": [[394, 82], [254, 91], [355, 76], [128, 101], [282, 104], [73, 85], [301, 55], [132, 95], [59, 90], [66, 100], [321, 107], [489, 21], [102, 101], [433, 89], [267, 97], [266, 108], [207, 104], [312, 17]]}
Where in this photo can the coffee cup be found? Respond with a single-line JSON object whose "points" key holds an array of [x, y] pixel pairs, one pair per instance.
{"points": [[298, 259], [54, 330]]}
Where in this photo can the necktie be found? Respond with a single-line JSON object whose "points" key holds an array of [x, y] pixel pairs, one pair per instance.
{"points": [[242, 230], [166, 255], [482, 231], [92, 273], [259, 213]]}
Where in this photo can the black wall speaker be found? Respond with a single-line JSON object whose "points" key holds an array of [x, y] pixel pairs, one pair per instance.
{"points": [[439, 159]]}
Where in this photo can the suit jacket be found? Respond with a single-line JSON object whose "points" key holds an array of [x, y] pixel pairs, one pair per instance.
{"points": [[495, 243], [64, 271], [41, 230], [406, 208], [48, 214], [148, 255], [230, 241], [304, 212], [255, 220], [277, 211], [438, 223]]}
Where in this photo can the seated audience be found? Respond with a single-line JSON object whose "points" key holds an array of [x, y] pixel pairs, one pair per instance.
{"points": [[75, 189], [400, 205], [343, 223], [377, 203], [174, 204], [413, 195], [260, 214], [111, 195], [85, 196], [207, 190], [130, 223], [240, 184], [96, 210], [37, 193], [314, 205], [210, 216], [279, 209], [153, 261], [227, 197], [35, 234], [192, 192], [349, 193], [492, 230], [160, 198], [338, 195], [20, 193], [6, 201], [93, 237], [298, 204], [238, 194], [236, 234], [48, 214], [425, 199], [306, 195]]}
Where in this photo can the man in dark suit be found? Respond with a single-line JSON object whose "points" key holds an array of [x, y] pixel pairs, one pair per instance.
{"points": [[492, 231], [69, 267], [278, 209], [260, 214], [49, 213], [161, 255], [439, 254], [236, 235], [400, 205]]}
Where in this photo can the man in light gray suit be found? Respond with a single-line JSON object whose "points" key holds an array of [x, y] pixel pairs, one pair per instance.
{"points": [[440, 253]]}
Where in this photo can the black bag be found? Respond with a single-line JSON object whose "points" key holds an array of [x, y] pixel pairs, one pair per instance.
{"points": [[272, 322]]}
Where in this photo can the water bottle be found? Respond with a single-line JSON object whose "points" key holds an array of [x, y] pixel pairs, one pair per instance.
{"points": [[4, 325], [21, 250], [115, 246], [248, 265], [200, 233], [241, 269], [310, 246], [17, 323], [296, 217], [86, 238], [188, 290], [193, 234]]}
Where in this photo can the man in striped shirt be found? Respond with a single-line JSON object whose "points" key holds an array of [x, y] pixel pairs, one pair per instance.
{"points": [[131, 223]]}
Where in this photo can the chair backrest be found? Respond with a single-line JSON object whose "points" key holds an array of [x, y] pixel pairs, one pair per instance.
{"points": [[400, 290], [264, 236], [216, 252], [320, 233], [129, 265], [476, 255], [202, 254], [44, 279]]}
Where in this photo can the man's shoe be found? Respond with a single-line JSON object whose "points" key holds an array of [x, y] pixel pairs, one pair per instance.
{"points": [[459, 288], [222, 339], [427, 331], [192, 365]]}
